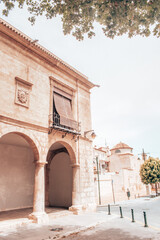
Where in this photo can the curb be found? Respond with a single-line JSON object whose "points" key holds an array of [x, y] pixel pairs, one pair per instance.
{"points": [[12, 224], [78, 230]]}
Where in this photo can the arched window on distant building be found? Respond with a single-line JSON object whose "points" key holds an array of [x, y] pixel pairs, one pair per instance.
{"points": [[117, 151]]}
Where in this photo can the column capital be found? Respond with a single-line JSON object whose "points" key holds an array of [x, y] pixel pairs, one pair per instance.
{"points": [[41, 164], [75, 165]]}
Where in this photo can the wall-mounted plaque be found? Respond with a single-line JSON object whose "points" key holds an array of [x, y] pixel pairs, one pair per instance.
{"points": [[22, 93]]}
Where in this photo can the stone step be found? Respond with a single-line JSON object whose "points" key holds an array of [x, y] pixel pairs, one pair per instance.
{"points": [[60, 214], [13, 223]]}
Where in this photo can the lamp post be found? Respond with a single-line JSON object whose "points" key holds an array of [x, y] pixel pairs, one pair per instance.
{"points": [[99, 190]]}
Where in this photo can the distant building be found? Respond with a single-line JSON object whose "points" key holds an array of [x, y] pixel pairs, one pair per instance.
{"points": [[122, 158], [101, 154], [121, 173]]}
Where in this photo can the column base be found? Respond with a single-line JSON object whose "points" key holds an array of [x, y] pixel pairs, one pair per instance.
{"points": [[90, 207], [78, 209], [39, 217]]}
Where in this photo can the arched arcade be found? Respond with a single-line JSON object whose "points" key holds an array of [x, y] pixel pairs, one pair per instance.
{"points": [[60, 175], [17, 172]]}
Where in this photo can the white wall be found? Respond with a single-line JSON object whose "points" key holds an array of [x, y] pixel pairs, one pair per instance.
{"points": [[125, 179], [60, 181], [122, 150], [105, 189], [118, 162], [16, 177]]}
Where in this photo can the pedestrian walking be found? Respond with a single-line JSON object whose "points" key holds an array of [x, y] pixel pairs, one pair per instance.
{"points": [[128, 193]]}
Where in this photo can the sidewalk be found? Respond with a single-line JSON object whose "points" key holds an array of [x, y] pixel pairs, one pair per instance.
{"points": [[136, 200], [67, 227]]}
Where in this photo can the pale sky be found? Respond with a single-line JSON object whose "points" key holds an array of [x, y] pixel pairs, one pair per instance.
{"points": [[126, 107]]}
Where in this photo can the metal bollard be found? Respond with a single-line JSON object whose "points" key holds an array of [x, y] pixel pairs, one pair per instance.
{"points": [[132, 212], [109, 209], [145, 219], [121, 215]]}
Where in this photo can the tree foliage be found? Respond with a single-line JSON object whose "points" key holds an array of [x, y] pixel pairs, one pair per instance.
{"points": [[117, 17], [150, 171]]}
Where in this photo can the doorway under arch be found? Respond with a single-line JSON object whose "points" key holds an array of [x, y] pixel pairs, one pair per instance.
{"points": [[59, 176], [17, 171]]}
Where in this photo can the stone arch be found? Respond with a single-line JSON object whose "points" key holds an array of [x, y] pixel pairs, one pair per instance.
{"points": [[64, 153], [68, 148], [29, 137], [17, 159]]}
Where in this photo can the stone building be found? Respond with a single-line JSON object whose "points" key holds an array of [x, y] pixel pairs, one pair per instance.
{"points": [[101, 153], [121, 157], [45, 156], [122, 173]]}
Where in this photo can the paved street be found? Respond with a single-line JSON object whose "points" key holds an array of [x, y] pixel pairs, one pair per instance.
{"points": [[116, 230], [150, 205], [98, 225]]}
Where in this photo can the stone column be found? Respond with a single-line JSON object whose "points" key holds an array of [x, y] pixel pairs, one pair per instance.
{"points": [[76, 204], [38, 214], [47, 185]]}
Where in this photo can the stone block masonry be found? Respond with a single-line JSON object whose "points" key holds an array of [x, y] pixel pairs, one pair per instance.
{"points": [[29, 77]]}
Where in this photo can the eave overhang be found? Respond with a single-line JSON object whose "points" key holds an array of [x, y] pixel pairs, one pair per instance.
{"points": [[33, 47]]}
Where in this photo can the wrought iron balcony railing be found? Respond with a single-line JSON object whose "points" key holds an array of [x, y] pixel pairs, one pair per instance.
{"points": [[70, 126]]}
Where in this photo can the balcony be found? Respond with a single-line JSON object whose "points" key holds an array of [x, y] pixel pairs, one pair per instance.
{"points": [[69, 125]]}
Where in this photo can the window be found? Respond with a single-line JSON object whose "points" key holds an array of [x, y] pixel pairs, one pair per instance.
{"points": [[62, 109], [117, 151]]}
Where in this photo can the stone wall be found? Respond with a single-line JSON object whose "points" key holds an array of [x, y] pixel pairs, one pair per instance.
{"points": [[117, 184], [18, 63], [86, 174], [16, 177]]}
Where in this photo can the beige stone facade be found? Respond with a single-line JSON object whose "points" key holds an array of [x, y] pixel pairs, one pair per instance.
{"points": [[118, 172], [45, 157]]}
